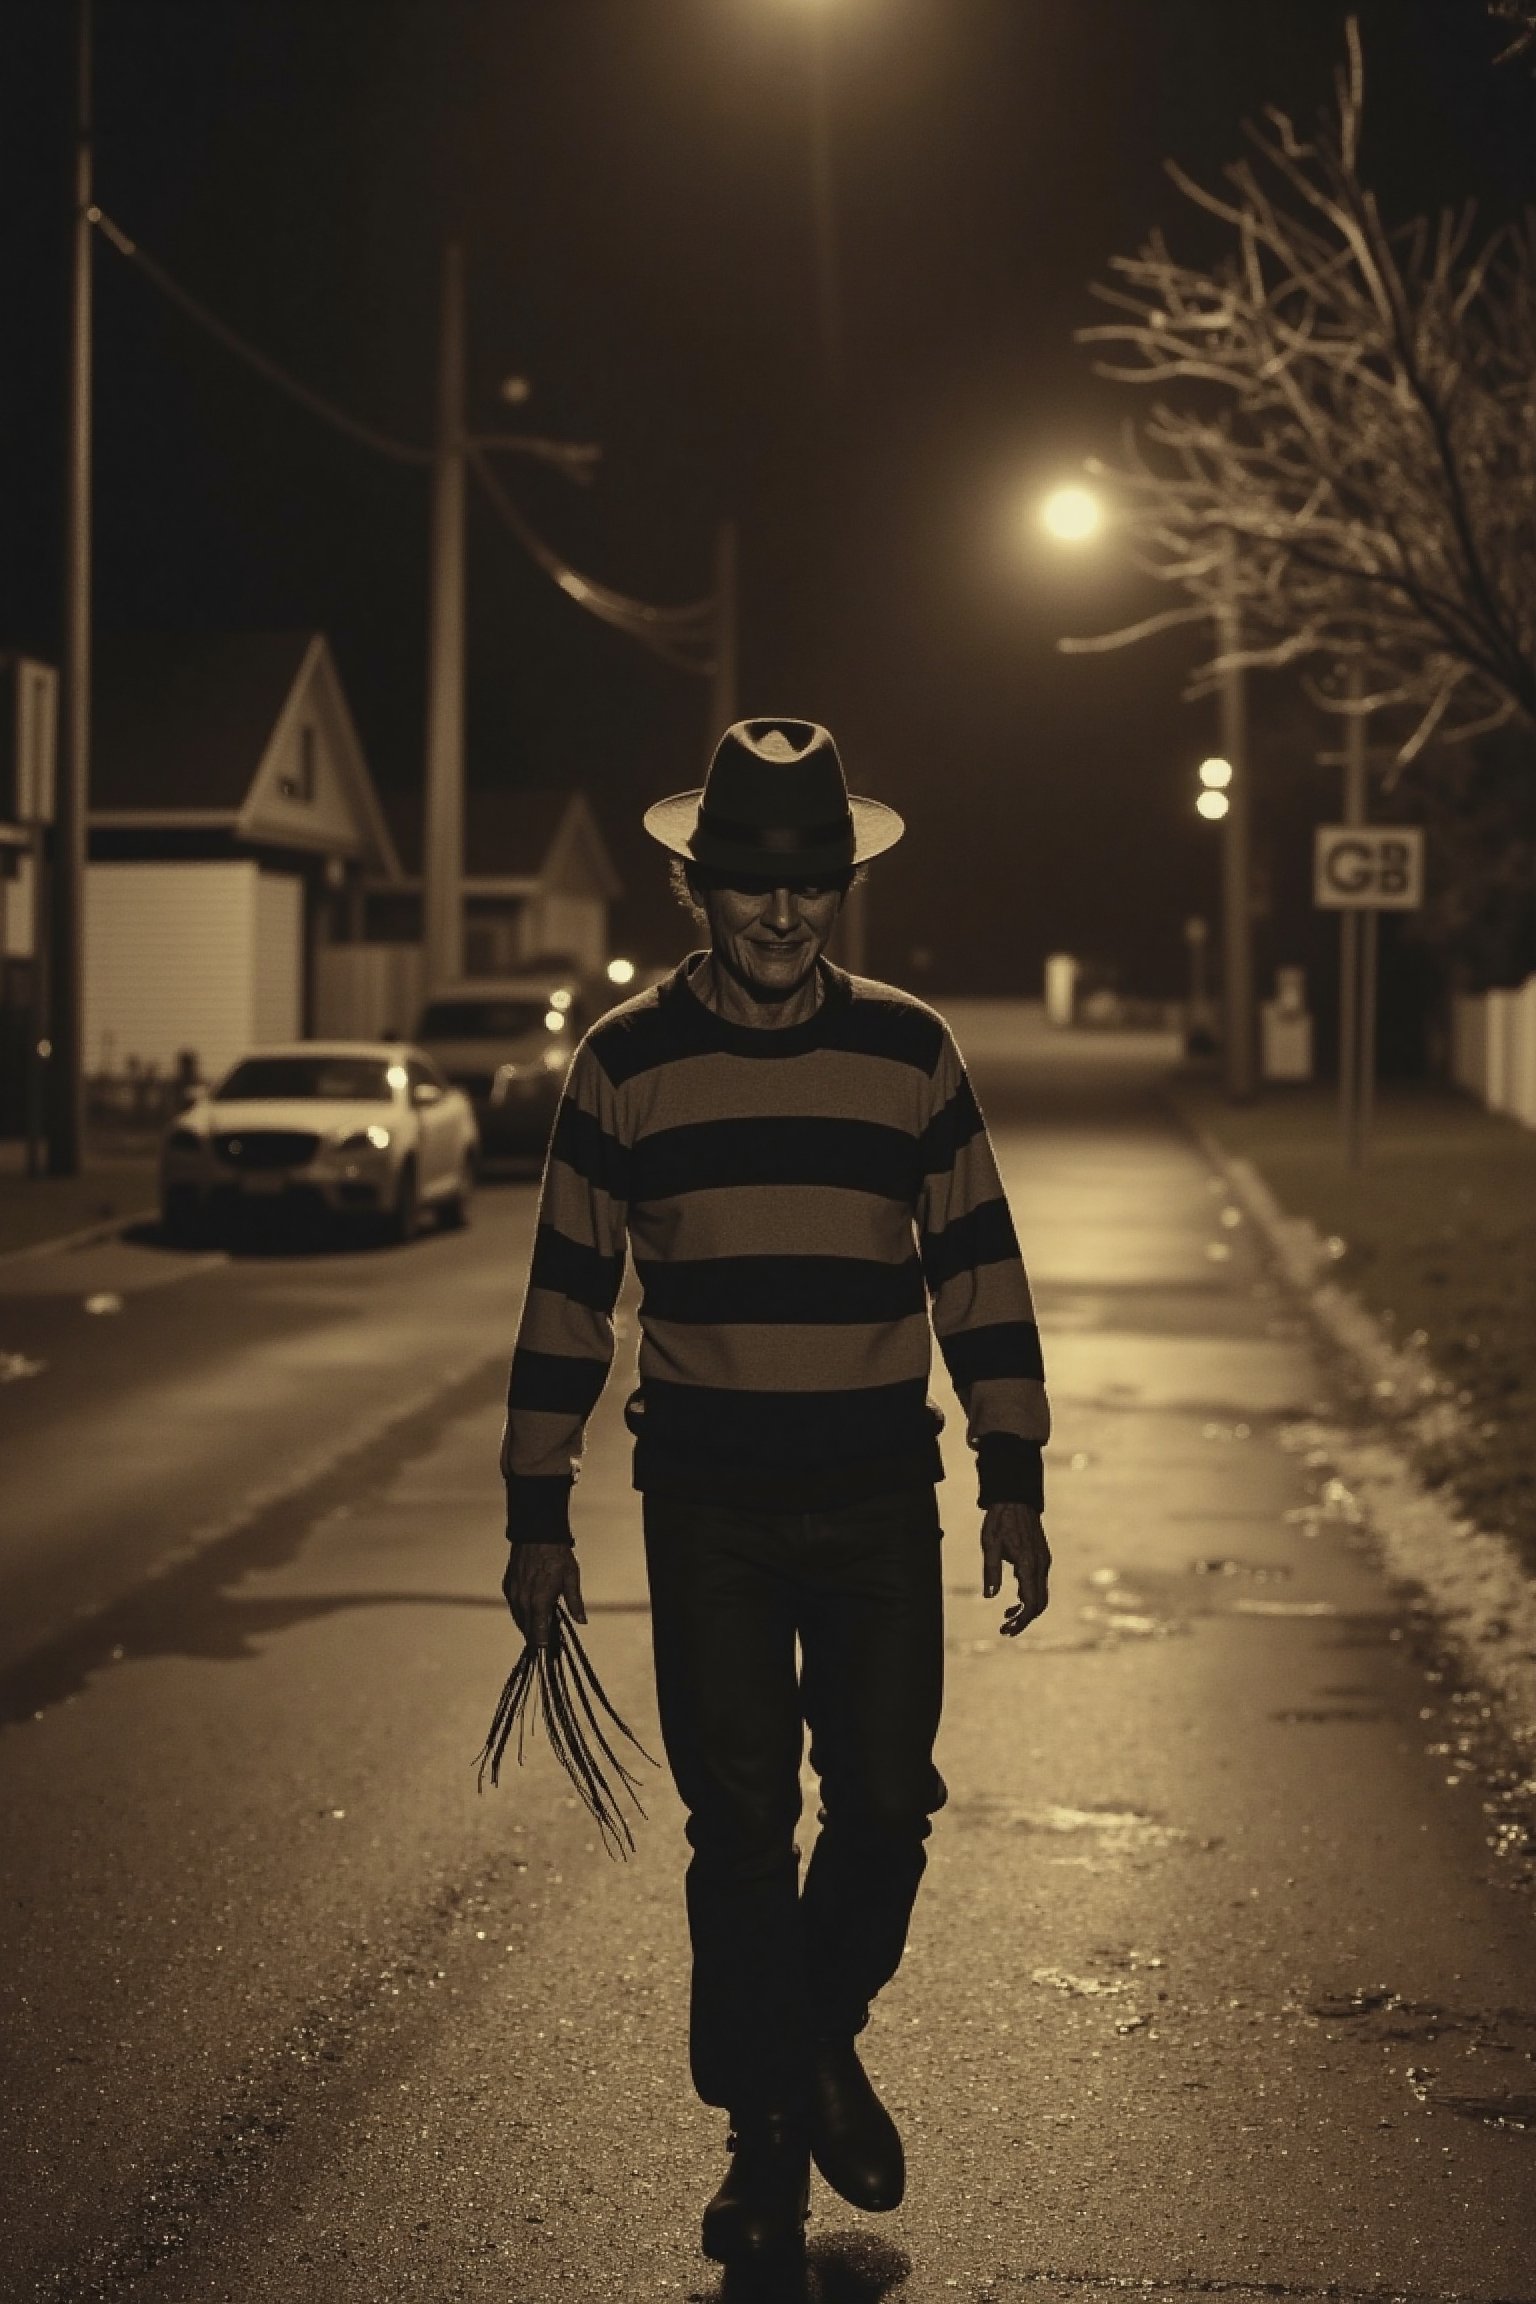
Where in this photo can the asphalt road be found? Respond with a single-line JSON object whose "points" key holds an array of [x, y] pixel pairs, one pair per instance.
{"points": [[1217, 1986]]}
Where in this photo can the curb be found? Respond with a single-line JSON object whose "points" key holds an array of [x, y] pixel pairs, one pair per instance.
{"points": [[1475, 1582], [106, 1228]]}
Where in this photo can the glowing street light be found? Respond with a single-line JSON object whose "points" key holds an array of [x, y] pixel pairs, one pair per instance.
{"points": [[1214, 800], [1072, 514]]}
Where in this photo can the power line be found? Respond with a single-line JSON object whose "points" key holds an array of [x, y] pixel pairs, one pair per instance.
{"points": [[366, 435], [670, 633], [675, 634]]}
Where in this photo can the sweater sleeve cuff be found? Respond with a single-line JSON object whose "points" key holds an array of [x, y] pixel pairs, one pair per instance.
{"points": [[539, 1509], [1010, 1470]]}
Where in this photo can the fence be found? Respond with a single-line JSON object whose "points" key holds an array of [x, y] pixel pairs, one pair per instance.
{"points": [[363, 991], [138, 1103], [1493, 1049]]}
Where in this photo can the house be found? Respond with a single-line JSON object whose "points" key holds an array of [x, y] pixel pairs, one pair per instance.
{"points": [[537, 879], [537, 885], [28, 717], [233, 830]]}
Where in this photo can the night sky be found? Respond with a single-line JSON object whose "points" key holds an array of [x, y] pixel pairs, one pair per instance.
{"points": [[631, 180]]}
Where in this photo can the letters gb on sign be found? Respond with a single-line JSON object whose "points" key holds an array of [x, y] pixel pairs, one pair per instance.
{"points": [[1368, 868]]}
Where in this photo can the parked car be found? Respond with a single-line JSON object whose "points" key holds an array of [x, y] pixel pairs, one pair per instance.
{"points": [[352, 1128], [508, 1044]]}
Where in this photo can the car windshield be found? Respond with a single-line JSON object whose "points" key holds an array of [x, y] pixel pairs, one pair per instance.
{"points": [[328, 1079], [482, 1019]]}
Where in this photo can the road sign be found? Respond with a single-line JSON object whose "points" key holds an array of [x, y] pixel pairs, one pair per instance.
{"points": [[1368, 867]]}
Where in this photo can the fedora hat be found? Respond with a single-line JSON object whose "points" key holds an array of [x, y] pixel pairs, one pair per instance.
{"points": [[774, 806]]}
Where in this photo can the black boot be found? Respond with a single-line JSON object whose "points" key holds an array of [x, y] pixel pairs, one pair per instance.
{"points": [[761, 2208], [854, 2140]]}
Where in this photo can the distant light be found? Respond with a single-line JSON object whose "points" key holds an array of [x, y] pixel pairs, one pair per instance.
{"points": [[378, 1137], [1216, 775], [554, 1021], [556, 1058], [621, 971], [396, 1076], [1213, 805], [516, 391], [45, 1049], [560, 999], [1072, 514]]}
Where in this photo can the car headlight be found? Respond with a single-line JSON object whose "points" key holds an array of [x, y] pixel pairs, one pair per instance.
{"points": [[184, 1140], [372, 1139]]}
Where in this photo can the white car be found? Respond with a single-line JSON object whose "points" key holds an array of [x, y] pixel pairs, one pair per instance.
{"points": [[365, 1129]]}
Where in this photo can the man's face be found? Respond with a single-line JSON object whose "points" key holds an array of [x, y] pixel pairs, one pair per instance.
{"points": [[771, 938]]}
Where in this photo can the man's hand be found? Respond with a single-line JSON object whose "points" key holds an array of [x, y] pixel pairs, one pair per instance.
{"points": [[1013, 1532], [538, 1578]]}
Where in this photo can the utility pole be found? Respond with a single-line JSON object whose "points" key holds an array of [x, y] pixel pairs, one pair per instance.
{"points": [[724, 686], [1236, 890], [443, 819], [63, 1051], [1357, 957], [824, 205]]}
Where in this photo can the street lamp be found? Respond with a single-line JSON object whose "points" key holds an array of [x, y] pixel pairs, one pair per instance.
{"points": [[1214, 802], [1072, 514]]}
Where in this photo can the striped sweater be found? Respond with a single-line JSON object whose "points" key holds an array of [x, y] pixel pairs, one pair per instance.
{"points": [[799, 1201]]}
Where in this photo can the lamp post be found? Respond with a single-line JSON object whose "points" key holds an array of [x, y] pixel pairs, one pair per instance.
{"points": [[1219, 801], [1197, 1020], [64, 1063], [443, 826], [1074, 514], [829, 302], [1236, 868]]}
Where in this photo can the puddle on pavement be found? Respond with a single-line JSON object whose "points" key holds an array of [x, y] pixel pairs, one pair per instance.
{"points": [[1243, 1606], [1324, 1715], [1510, 2111], [1080, 1987], [1115, 1835], [1501, 2042], [1119, 1612], [1158, 1605], [1122, 1612], [1114, 1989]]}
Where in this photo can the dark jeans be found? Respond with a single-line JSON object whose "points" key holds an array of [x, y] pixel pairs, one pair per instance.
{"points": [[732, 1591]]}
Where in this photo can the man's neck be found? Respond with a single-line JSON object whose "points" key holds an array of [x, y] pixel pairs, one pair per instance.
{"points": [[734, 1004]]}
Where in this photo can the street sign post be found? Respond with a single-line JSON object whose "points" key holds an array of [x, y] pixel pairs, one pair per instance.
{"points": [[1368, 867], [1358, 871]]}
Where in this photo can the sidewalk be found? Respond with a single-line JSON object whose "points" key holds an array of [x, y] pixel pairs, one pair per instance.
{"points": [[37, 1211], [1436, 1236]]}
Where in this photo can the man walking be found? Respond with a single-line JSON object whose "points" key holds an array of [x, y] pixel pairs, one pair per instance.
{"points": [[797, 1160]]}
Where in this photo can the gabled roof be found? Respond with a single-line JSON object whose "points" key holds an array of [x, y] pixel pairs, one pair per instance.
{"points": [[183, 720], [509, 834], [204, 729]]}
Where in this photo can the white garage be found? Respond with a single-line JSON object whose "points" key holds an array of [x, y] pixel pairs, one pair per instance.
{"points": [[199, 958]]}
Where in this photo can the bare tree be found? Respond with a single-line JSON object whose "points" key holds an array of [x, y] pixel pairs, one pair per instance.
{"points": [[1350, 461], [1522, 14]]}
